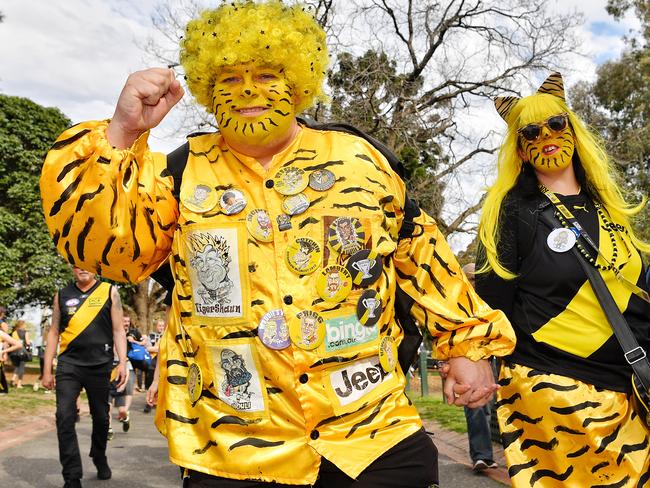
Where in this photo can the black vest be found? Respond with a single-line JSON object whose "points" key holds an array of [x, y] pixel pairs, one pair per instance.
{"points": [[94, 345]]}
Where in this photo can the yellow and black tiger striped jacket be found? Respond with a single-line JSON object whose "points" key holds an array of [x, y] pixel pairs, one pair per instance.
{"points": [[266, 413]]}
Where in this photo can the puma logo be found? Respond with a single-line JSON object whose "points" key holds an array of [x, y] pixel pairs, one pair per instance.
{"points": [[581, 207]]}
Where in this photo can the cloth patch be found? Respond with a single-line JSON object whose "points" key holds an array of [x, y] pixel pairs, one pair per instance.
{"points": [[237, 376], [214, 270], [345, 332], [357, 379]]}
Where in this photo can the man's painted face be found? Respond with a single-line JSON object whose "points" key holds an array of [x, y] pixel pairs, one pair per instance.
{"points": [[548, 145], [253, 104]]}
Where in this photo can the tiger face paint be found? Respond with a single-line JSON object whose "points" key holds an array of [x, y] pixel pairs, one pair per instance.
{"points": [[551, 151], [253, 105]]}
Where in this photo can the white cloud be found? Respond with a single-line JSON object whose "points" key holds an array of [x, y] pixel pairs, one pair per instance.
{"points": [[73, 54]]}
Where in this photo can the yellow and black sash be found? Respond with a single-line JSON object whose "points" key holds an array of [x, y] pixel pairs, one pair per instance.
{"points": [[85, 315]]}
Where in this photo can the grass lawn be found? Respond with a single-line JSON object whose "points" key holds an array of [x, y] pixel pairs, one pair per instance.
{"points": [[20, 404], [449, 416]]}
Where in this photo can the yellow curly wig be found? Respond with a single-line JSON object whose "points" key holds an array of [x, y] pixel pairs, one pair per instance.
{"points": [[280, 36], [602, 178]]}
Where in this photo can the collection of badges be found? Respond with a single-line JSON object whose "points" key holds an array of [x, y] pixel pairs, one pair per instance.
{"points": [[303, 256]]}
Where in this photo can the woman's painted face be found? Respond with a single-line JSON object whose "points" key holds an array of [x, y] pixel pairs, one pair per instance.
{"points": [[547, 145], [253, 104]]}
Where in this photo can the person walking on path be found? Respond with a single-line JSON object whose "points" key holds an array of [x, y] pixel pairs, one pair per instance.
{"points": [[555, 215], [87, 319], [20, 357], [7, 345]]}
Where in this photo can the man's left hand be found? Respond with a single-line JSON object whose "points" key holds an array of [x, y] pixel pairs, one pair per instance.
{"points": [[121, 375], [469, 383]]}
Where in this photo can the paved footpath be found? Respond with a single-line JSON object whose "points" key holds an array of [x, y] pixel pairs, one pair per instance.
{"points": [[29, 456]]}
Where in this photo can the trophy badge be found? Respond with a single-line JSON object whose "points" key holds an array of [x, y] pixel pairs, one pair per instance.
{"points": [[365, 266], [369, 308]]}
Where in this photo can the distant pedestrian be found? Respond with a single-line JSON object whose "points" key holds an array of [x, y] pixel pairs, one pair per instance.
{"points": [[120, 397], [7, 345], [20, 357], [137, 352], [87, 318], [153, 349]]}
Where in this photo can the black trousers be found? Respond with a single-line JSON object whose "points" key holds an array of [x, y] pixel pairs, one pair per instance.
{"points": [[413, 463], [70, 379]]}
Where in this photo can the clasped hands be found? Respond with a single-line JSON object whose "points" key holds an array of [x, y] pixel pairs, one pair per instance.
{"points": [[468, 383]]}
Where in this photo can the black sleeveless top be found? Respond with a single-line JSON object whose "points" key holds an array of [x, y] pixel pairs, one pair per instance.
{"points": [[94, 345]]}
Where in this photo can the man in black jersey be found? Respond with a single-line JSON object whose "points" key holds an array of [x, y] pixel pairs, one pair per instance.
{"points": [[87, 319]]}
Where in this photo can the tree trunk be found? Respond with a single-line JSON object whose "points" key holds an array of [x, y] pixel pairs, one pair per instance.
{"points": [[141, 306]]}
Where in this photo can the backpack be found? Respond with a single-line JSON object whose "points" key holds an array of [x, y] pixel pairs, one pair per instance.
{"points": [[138, 352], [408, 348]]}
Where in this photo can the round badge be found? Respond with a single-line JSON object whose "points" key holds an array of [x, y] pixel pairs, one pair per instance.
{"points": [[199, 198], [334, 283], [259, 225], [561, 240], [273, 330], [232, 201], [308, 332], [295, 204], [346, 235], [303, 255], [321, 179], [388, 354], [369, 308], [290, 181], [194, 382], [365, 267]]}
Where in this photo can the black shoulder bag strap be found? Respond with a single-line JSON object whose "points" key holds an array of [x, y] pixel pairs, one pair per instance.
{"points": [[635, 355]]}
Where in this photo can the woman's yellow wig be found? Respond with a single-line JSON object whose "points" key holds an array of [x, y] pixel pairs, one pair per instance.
{"points": [[269, 33], [601, 175]]}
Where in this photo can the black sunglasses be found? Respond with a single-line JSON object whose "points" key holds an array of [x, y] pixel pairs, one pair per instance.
{"points": [[556, 123]]}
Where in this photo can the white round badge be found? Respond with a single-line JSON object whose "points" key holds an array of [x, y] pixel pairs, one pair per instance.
{"points": [[561, 240]]}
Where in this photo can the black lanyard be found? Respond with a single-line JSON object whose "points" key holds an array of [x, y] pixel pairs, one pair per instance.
{"points": [[640, 292]]}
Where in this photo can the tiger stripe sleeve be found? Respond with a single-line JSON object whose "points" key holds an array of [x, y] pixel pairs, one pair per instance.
{"points": [[445, 303], [109, 211]]}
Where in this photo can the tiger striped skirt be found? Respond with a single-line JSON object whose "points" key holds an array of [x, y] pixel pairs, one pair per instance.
{"points": [[560, 432]]}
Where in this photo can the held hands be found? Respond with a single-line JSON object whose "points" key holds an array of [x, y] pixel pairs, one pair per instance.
{"points": [[146, 98], [468, 382]]}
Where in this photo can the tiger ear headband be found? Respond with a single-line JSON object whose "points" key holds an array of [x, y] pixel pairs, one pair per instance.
{"points": [[553, 85]]}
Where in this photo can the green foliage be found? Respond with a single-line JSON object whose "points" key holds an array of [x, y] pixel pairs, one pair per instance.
{"points": [[448, 416], [30, 268], [368, 92], [617, 106]]}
